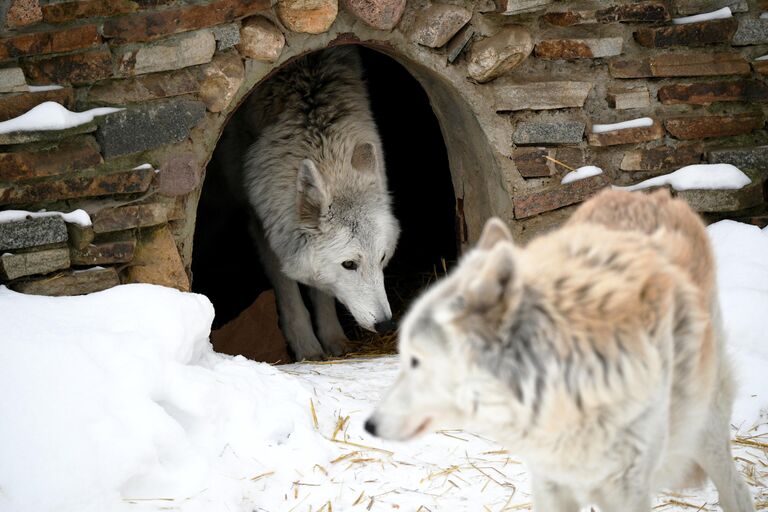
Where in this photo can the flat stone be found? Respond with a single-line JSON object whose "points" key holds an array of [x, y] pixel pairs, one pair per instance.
{"points": [[709, 92], [500, 53], [260, 39], [379, 14], [80, 236], [560, 132], [680, 65], [119, 248], [690, 34], [760, 66], [13, 266], [37, 43], [13, 105], [751, 31], [534, 203], [157, 261], [67, 156], [437, 24], [79, 9], [129, 217], [126, 182], [589, 48], [662, 158], [220, 80], [701, 127], [754, 157], [75, 68], [542, 95], [227, 36], [627, 135], [707, 201], [149, 25], [45, 135], [512, 7], [459, 43], [640, 12], [257, 322], [622, 98], [533, 162], [307, 16], [698, 6], [147, 126], [178, 176], [21, 13], [143, 88], [78, 282], [32, 232], [12, 80], [173, 53]]}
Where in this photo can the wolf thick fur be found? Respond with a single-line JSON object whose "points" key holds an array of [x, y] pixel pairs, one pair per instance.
{"points": [[314, 176], [596, 353]]}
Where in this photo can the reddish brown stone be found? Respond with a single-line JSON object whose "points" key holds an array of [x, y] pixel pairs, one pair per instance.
{"points": [[119, 248], [258, 322], [77, 282], [78, 9], [179, 175], [568, 18], [627, 135], [128, 182], [13, 105], [710, 92], [681, 65], [144, 88], [80, 236], [532, 162], [38, 43], [542, 201], [78, 68], [690, 34], [147, 26], [220, 80], [713, 126], [129, 217], [640, 12], [69, 155], [760, 66], [379, 14], [437, 24], [157, 261], [622, 98], [579, 48], [260, 39], [22, 13], [663, 158]]}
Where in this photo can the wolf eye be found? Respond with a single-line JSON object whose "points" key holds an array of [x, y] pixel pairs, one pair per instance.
{"points": [[383, 257], [349, 265], [414, 362]]}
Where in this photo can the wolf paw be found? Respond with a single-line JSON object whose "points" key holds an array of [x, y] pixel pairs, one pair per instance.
{"points": [[336, 347]]}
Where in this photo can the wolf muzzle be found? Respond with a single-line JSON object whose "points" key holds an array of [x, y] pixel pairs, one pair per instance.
{"points": [[385, 326]]}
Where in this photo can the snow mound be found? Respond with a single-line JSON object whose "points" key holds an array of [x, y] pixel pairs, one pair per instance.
{"points": [[79, 217], [52, 116], [582, 172], [719, 14], [698, 177], [632, 123]]}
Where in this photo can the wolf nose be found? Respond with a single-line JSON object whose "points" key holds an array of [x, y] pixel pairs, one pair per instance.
{"points": [[385, 326], [370, 426]]}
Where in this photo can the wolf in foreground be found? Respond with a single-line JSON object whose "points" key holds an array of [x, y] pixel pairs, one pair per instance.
{"points": [[314, 177], [596, 353]]}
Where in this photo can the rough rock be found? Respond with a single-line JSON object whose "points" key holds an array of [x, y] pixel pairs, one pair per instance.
{"points": [[227, 36], [690, 34], [705, 93], [221, 79], [534, 203], [379, 14], [701, 127], [179, 175], [558, 132], [157, 261], [12, 80], [542, 95], [686, 7], [743, 158], [118, 248], [32, 232], [680, 65], [437, 24], [662, 158], [627, 135], [13, 266], [65, 157], [500, 53], [172, 53], [512, 7], [21, 13], [307, 16], [579, 48], [38, 43], [78, 9], [13, 105], [128, 217], [74, 68], [260, 39], [622, 98], [78, 282], [143, 88], [751, 31]]}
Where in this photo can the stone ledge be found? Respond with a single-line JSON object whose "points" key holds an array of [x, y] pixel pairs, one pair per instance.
{"points": [[702, 127], [39, 43], [709, 92], [627, 135], [680, 65], [541, 95], [69, 283], [14, 266], [534, 203], [691, 34]]}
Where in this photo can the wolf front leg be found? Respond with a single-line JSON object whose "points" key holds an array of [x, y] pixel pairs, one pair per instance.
{"points": [[294, 318], [329, 329]]}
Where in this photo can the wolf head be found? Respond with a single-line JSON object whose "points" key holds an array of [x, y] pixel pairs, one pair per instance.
{"points": [[451, 348], [349, 233]]}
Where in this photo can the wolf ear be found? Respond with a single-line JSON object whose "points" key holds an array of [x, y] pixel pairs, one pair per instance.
{"points": [[311, 194], [494, 289], [364, 158], [494, 231]]}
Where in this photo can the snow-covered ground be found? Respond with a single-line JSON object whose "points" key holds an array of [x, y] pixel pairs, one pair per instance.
{"points": [[115, 402]]}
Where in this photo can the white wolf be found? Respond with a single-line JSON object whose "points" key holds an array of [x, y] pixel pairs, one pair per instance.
{"points": [[314, 177], [595, 352]]}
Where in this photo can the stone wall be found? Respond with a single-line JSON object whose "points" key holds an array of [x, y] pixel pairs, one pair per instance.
{"points": [[515, 84]]}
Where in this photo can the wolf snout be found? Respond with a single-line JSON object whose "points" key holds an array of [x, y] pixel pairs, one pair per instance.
{"points": [[385, 326], [370, 426]]}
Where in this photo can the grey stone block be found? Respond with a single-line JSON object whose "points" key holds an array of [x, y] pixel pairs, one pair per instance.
{"points": [[565, 132], [13, 266], [751, 31], [32, 233]]}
